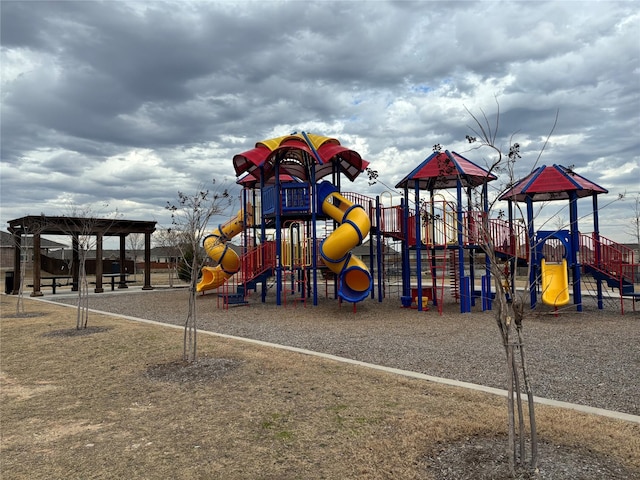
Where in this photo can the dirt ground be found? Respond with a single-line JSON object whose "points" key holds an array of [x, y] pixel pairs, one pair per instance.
{"points": [[115, 401]]}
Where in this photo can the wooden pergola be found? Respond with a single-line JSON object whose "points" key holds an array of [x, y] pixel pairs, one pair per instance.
{"points": [[77, 227]]}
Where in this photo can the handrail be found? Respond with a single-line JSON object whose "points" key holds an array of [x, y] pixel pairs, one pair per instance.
{"points": [[258, 260], [511, 240], [607, 256]]}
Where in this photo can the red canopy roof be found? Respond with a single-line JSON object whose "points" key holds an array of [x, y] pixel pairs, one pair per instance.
{"points": [[299, 155], [442, 170], [250, 181], [552, 183]]}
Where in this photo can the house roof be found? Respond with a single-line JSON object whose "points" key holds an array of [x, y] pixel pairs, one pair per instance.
{"points": [[6, 241]]}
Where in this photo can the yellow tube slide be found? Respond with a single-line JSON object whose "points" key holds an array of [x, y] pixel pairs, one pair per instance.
{"points": [[355, 279], [555, 283], [215, 245]]}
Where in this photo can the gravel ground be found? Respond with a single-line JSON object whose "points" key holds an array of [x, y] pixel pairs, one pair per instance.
{"points": [[590, 358]]}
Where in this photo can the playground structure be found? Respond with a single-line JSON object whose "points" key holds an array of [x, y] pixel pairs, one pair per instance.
{"points": [[217, 247], [298, 230], [607, 262]]}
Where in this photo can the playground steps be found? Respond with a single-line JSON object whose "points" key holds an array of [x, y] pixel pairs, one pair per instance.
{"points": [[232, 299], [256, 280], [612, 280], [231, 294], [611, 263]]}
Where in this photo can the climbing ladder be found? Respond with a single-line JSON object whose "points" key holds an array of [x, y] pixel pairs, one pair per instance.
{"points": [[454, 281], [295, 284], [438, 266], [296, 260]]}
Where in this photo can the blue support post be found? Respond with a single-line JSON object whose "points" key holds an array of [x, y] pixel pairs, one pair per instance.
{"points": [[533, 258], [575, 247], [372, 262], [406, 264], [596, 235], [263, 230], [472, 250], [487, 260], [278, 203], [434, 275], [465, 303], [314, 236], [418, 246], [379, 247]]}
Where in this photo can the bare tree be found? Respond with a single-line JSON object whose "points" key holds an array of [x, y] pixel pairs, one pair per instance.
{"points": [[169, 240], [633, 229], [135, 241], [81, 225], [25, 243], [511, 304], [190, 217]]}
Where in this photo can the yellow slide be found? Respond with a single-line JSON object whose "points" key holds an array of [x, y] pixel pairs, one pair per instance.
{"points": [[555, 283], [216, 247], [355, 279]]}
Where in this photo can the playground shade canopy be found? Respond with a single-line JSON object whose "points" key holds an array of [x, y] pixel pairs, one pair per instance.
{"points": [[302, 156], [552, 183], [443, 170]]}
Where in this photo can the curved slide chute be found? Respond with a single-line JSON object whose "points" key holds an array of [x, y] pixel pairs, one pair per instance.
{"points": [[555, 283], [215, 245], [355, 279]]}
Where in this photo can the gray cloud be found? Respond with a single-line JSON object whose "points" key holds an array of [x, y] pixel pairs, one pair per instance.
{"points": [[128, 102]]}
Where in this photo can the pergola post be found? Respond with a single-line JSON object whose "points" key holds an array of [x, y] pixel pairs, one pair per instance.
{"points": [[99, 266], [147, 262], [36, 266], [75, 263], [17, 264], [123, 251]]}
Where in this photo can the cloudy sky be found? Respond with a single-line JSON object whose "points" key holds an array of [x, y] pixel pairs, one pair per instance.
{"points": [[126, 103]]}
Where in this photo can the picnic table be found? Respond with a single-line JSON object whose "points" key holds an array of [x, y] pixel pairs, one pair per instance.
{"points": [[53, 281], [113, 276]]}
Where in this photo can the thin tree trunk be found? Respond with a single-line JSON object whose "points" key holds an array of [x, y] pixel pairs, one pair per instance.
{"points": [[190, 330], [86, 302], [511, 450], [23, 269], [530, 402], [521, 429], [185, 339], [195, 329]]}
